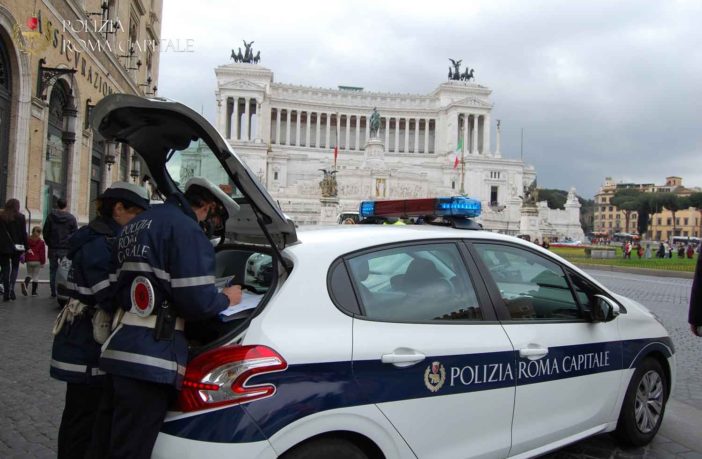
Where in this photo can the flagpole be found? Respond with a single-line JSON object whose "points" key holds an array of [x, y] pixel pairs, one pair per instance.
{"points": [[463, 161], [336, 146]]}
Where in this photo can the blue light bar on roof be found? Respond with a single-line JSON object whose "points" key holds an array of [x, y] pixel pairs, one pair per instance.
{"points": [[457, 206]]}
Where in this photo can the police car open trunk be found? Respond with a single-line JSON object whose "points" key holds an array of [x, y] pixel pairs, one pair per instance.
{"points": [[176, 144]]}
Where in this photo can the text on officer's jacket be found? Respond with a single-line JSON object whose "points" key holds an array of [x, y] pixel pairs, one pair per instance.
{"points": [[127, 246], [528, 369]]}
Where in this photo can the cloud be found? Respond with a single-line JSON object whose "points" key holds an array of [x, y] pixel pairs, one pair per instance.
{"points": [[600, 88]]}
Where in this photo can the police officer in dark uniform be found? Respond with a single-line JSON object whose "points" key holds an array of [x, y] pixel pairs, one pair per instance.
{"points": [[164, 275], [76, 347]]}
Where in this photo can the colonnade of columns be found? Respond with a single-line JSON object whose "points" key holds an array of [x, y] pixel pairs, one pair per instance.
{"points": [[474, 129], [241, 118], [350, 131]]}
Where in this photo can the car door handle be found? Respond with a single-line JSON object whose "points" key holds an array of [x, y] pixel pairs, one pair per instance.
{"points": [[533, 353], [403, 359]]}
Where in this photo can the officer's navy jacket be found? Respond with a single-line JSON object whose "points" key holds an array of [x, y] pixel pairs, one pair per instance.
{"points": [[75, 354], [167, 246]]}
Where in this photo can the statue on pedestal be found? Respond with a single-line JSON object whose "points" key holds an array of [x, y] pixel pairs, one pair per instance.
{"points": [[531, 195], [374, 123], [328, 184]]}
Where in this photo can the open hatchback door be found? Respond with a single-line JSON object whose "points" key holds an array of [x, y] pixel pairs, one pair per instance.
{"points": [[176, 144]]}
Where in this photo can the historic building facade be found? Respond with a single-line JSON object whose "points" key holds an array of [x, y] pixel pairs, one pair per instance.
{"points": [[437, 144], [58, 58], [609, 219]]}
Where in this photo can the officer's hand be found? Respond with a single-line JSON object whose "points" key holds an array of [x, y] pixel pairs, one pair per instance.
{"points": [[233, 293]]}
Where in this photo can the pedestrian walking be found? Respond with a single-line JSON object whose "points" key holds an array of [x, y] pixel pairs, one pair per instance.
{"points": [[35, 258], [690, 251], [58, 229], [164, 252], [639, 250], [695, 313], [13, 244], [661, 251], [84, 323], [647, 254]]}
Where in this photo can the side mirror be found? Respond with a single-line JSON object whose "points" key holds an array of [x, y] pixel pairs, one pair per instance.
{"points": [[604, 309]]}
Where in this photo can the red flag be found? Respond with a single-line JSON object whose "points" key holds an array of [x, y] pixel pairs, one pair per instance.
{"points": [[455, 162], [336, 153]]}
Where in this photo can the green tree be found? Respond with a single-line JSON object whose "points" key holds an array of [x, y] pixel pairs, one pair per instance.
{"points": [[695, 200], [673, 203], [555, 199], [646, 204], [626, 200]]}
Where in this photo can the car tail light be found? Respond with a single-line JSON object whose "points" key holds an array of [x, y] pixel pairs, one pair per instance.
{"points": [[218, 377]]}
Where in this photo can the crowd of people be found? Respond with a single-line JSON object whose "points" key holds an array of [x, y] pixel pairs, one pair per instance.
{"points": [[17, 247], [664, 250]]}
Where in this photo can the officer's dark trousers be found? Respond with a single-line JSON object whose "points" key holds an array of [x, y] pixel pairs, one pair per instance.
{"points": [[139, 409], [77, 421]]}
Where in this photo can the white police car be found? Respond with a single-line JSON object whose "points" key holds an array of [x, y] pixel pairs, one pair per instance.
{"points": [[394, 341]]}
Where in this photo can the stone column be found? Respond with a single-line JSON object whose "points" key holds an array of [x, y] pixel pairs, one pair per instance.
{"points": [[348, 133], [236, 120], [228, 120], [358, 133], [318, 123], [297, 127], [416, 135], [466, 139], [338, 129], [326, 141], [486, 135], [288, 117], [247, 120], [308, 119], [498, 153], [259, 120], [474, 147], [426, 135], [397, 135], [221, 120], [407, 134], [387, 131], [277, 126]]}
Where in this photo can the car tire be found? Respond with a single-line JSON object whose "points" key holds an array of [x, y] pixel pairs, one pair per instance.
{"points": [[644, 404], [324, 448]]}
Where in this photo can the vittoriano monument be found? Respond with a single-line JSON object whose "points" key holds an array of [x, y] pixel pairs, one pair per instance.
{"points": [[248, 56], [374, 123], [456, 74]]}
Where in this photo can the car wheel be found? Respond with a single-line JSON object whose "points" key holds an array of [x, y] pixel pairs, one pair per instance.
{"points": [[325, 448], [644, 404]]}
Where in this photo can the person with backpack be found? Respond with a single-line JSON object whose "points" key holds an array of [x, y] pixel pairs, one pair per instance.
{"points": [[58, 229]]}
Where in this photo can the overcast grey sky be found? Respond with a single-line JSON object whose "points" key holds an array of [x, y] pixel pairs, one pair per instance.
{"points": [[601, 88]]}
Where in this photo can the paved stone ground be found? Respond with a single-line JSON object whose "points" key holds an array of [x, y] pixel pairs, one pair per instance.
{"points": [[31, 402]]}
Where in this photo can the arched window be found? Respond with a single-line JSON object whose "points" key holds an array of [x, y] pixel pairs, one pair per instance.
{"points": [[5, 110], [56, 148]]}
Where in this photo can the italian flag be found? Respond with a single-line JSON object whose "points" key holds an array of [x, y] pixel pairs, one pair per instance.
{"points": [[459, 147]]}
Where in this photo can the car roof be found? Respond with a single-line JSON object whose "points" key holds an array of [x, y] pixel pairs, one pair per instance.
{"points": [[336, 240]]}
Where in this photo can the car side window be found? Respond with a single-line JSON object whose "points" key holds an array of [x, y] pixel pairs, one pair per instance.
{"points": [[532, 287], [416, 283], [584, 290]]}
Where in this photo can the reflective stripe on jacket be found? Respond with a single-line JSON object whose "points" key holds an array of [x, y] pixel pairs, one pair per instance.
{"points": [[166, 246], [75, 354]]}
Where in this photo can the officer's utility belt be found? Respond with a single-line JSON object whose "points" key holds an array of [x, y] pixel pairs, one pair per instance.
{"points": [[129, 318]]}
